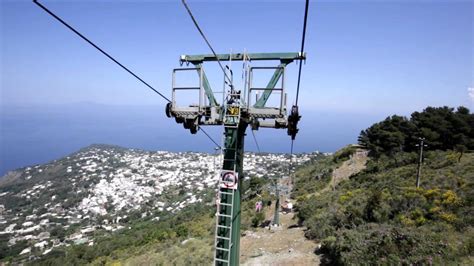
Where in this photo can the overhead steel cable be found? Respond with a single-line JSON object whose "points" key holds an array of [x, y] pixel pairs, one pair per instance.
{"points": [[291, 158], [210, 137], [299, 70], [110, 57], [205, 39], [291, 150], [204, 131], [256, 142], [98, 48], [302, 49]]}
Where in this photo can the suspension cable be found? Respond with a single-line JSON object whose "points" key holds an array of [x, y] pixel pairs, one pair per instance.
{"points": [[291, 158], [299, 73], [204, 131], [98, 48], [256, 142], [205, 39], [302, 49], [229, 80], [111, 58]]}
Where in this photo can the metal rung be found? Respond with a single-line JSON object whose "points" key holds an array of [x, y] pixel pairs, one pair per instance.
{"points": [[226, 193], [223, 237], [223, 249], [225, 204], [186, 88], [223, 226], [224, 215], [221, 260]]}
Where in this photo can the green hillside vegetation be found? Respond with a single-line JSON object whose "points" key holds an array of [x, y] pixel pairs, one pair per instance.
{"points": [[314, 176], [379, 216], [164, 238]]}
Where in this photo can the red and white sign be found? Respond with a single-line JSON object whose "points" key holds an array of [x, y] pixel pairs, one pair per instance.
{"points": [[229, 179]]}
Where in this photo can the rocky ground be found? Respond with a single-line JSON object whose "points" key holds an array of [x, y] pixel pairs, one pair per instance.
{"points": [[354, 165], [286, 244], [278, 245], [283, 245]]}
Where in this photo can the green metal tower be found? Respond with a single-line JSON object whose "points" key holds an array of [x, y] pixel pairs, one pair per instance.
{"points": [[235, 113]]}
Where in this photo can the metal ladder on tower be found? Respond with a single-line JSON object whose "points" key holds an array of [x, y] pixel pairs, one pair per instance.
{"points": [[225, 211]]}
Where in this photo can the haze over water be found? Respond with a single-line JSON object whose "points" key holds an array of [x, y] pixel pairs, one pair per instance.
{"points": [[38, 134]]}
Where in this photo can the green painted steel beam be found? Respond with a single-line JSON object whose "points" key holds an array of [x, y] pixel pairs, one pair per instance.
{"points": [[287, 57], [234, 142], [270, 86], [207, 88]]}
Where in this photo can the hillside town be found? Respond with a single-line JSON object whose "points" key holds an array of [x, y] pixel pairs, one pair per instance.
{"points": [[102, 188]]}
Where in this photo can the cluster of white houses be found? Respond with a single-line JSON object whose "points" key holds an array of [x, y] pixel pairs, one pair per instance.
{"points": [[119, 181]]}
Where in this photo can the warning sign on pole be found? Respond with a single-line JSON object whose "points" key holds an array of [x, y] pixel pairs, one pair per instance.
{"points": [[229, 179]]}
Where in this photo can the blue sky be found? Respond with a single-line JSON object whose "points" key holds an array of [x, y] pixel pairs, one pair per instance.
{"points": [[366, 59], [363, 56]]}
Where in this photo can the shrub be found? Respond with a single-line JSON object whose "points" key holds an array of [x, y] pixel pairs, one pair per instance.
{"points": [[258, 218], [379, 217]]}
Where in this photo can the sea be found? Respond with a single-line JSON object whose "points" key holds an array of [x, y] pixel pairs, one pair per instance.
{"points": [[37, 134]]}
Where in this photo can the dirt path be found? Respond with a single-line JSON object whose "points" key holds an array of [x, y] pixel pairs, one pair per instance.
{"points": [[285, 245], [354, 165]]}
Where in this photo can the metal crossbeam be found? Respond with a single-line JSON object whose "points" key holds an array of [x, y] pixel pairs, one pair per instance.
{"points": [[287, 57]]}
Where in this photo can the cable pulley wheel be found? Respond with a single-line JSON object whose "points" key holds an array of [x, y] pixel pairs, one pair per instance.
{"points": [[168, 109]]}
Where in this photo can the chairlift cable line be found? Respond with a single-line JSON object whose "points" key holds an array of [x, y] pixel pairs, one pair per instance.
{"points": [[210, 137], [299, 72], [206, 40], [291, 157], [302, 49], [256, 142], [110, 57], [98, 48]]}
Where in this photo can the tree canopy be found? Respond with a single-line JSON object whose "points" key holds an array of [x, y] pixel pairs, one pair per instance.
{"points": [[443, 128]]}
